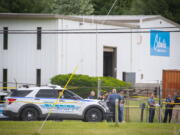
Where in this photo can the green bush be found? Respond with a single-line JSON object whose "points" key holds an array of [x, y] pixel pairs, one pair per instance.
{"points": [[83, 84]]}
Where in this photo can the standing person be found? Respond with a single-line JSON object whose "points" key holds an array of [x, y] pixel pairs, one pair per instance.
{"points": [[151, 103], [109, 92], [176, 109], [169, 108], [121, 106], [92, 95], [111, 99], [105, 96]]}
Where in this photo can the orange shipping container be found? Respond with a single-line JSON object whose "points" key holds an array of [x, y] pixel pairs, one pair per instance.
{"points": [[170, 82]]}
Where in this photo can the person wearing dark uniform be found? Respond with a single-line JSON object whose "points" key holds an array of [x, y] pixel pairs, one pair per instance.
{"points": [[111, 100], [168, 110], [92, 95], [151, 103], [176, 108]]}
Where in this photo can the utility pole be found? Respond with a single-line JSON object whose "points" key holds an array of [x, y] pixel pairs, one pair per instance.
{"points": [[160, 101], [99, 87], [116, 111], [127, 108]]}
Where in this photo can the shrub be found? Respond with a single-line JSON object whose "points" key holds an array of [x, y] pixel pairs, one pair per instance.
{"points": [[83, 84]]}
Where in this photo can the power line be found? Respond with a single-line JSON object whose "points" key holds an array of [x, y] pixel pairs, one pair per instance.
{"points": [[61, 30], [89, 32], [97, 29], [110, 10]]}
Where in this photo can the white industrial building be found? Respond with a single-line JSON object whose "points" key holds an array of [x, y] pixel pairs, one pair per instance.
{"points": [[35, 47]]}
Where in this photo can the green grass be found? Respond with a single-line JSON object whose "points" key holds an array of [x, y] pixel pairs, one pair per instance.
{"points": [[133, 127], [84, 128]]}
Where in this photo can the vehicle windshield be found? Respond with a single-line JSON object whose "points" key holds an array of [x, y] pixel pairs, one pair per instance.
{"points": [[75, 95], [70, 95]]}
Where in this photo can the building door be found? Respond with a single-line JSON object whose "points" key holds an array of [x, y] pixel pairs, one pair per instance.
{"points": [[109, 61]]}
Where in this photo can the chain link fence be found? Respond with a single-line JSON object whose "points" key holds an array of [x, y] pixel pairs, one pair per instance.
{"points": [[136, 107]]}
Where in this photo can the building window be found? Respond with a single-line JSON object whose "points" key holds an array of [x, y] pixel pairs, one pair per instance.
{"points": [[5, 74], [38, 77], [39, 30], [5, 38]]}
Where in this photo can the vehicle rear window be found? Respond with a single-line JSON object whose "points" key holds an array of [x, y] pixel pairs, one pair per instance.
{"points": [[20, 93]]}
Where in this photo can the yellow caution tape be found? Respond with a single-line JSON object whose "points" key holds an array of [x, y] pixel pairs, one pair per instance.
{"points": [[142, 97], [60, 95], [171, 103], [7, 87]]}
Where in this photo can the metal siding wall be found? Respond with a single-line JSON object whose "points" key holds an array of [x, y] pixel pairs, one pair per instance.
{"points": [[22, 57]]}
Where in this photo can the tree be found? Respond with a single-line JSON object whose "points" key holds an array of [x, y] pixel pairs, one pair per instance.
{"points": [[166, 8], [174, 9], [103, 6], [72, 7], [150, 7], [65, 7], [24, 6]]}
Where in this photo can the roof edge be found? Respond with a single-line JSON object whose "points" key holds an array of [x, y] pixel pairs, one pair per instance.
{"points": [[56, 16], [81, 19], [104, 22], [163, 18]]}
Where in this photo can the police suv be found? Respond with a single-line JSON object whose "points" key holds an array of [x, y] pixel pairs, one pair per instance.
{"points": [[34, 103]]}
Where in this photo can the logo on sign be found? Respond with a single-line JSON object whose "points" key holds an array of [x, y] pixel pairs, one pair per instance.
{"points": [[160, 43]]}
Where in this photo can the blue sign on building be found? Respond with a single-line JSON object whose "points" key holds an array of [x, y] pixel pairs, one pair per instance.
{"points": [[159, 43]]}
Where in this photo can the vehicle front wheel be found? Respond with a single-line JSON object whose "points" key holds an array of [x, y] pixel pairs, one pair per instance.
{"points": [[93, 115], [29, 114]]}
